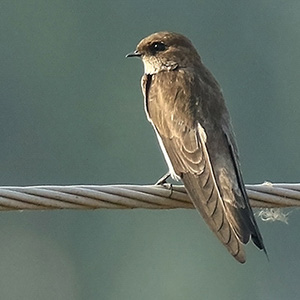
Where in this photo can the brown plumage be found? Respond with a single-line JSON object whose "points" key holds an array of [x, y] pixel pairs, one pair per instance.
{"points": [[186, 107]]}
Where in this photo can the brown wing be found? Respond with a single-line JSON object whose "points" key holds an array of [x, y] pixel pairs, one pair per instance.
{"points": [[187, 113]]}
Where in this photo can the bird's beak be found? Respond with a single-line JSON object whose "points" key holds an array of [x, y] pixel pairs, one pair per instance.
{"points": [[136, 53]]}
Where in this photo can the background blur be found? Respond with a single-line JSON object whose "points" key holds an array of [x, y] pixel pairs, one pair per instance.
{"points": [[72, 113]]}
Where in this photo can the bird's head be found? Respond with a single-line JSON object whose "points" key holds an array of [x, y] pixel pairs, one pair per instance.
{"points": [[166, 51]]}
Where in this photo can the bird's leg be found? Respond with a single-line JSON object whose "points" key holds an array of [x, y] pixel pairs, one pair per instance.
{"points": [[163, 180]]}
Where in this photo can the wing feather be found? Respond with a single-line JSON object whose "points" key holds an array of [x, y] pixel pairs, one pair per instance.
{"points": [[202, 153]]}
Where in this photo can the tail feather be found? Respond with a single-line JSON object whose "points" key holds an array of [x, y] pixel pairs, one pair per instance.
{"points": [[206, 200]]}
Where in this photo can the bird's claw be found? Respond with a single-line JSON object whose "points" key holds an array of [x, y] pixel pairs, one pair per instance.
{"points": [[163, 180]]}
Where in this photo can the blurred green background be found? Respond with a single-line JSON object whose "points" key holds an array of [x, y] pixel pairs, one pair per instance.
{"points": [[72, 113]]}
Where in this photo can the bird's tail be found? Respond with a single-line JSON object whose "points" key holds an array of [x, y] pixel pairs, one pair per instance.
{"points": [[206, 199]]}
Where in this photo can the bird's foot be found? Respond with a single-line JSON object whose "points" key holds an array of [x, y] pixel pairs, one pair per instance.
{"points": [[163, 180]]}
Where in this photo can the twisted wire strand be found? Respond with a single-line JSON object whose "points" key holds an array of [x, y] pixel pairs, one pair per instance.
{"points": [[266, 195]]}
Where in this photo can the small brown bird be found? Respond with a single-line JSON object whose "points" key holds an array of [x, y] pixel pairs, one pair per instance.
{"points": [[185, 105]]}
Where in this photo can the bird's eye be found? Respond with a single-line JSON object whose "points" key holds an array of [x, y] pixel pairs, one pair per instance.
{"points": [[157, 46]]}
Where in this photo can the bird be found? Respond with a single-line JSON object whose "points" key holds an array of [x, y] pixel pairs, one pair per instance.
{"points": [[185, 105]]}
